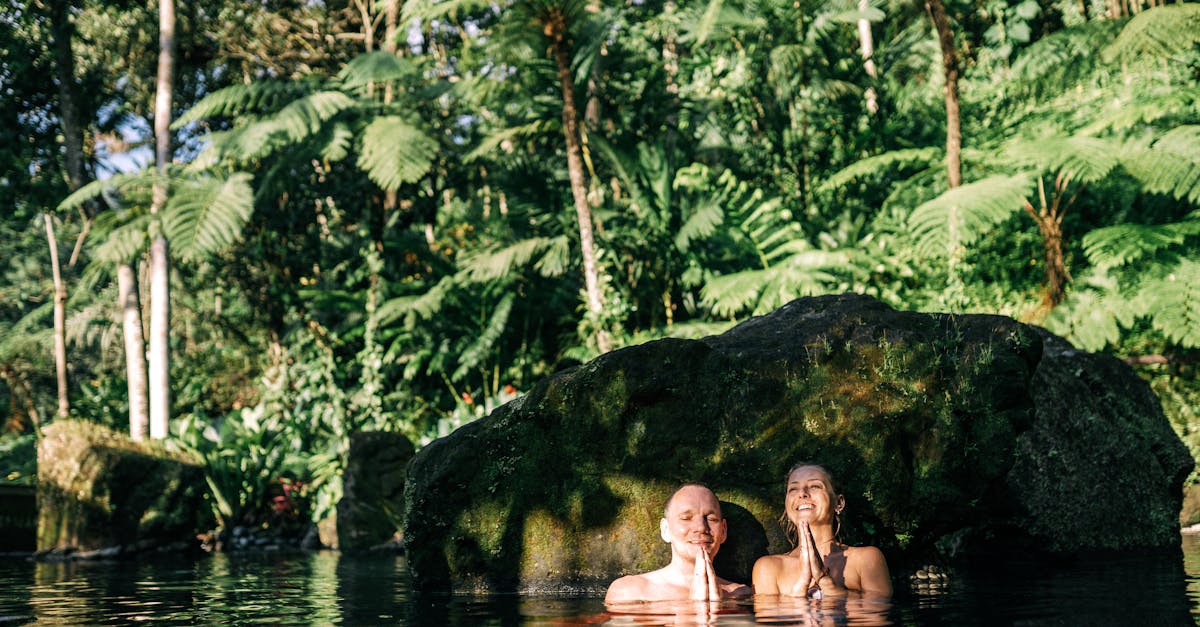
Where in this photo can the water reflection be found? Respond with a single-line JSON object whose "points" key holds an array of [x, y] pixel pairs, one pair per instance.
{"points": [[329, 589]]}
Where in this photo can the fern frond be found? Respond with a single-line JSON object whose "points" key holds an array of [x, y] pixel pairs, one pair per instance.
{"points": [[962, 215], [729, 294], [395, 152], [489, 265], [556, 259], [1091, 316], [259, 96], [494, 140], [1081, 159], [338, 146], [130, 184], [374, 67], [415, 306], [1171, 165], [896, 159], [1149, 106], [1165, 31], [761, 290], [478, 350], [1046, 63], [1124, 243], [702, 223], [125, 242], [208, 214], [1173, 303], [300, 119]]}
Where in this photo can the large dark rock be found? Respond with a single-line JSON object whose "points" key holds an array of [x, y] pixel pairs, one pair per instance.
{"points": [[944, 431], [100, 492], [368, 515]]}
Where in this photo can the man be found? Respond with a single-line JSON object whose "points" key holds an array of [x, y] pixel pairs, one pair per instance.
{"points": [[694, 527]]}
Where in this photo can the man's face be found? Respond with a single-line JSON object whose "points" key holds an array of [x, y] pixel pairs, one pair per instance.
{"points": [[693, 523]]}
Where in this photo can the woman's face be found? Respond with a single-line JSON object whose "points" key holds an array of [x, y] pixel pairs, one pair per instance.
{"points": [[810, 496]]}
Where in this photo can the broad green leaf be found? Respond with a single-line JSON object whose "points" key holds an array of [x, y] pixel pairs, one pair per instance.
{"points": [[395, 152]]}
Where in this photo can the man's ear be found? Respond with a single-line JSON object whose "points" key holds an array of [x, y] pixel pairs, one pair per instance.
{"points": [[664, 530]]}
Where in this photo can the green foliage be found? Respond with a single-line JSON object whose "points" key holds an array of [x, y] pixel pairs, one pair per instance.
{"points": [[1160, 32], [18, 458], [730, 160], [395, 152], [244, 458], [959, 217], [206, 215]]}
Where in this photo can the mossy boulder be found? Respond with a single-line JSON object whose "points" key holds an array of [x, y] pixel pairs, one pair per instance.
{"points": [[930, 422], [98, 490], [368, 515]]}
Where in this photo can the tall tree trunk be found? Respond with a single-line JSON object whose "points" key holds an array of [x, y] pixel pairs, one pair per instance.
{"points": [[60, 320], [64, 70], [866, 45], [556, 29], [135, 351], [63, 30], [160, 264], [941, 23]]}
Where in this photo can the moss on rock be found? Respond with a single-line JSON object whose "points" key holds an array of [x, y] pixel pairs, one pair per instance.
{"points": [[924, 419], [97, 489]]}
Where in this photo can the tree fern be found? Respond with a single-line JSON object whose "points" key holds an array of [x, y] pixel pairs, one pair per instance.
{"points": [[962, 215], [207, 214], [132, 187], [375, 67], [123, 242], [262, 96], [394, 152], [1093, 314], [496, 139], [888, 161], [1125, 243], [1173, 302], [492, 264], [1165, 31], [1171, 165], [413, 307], [1079, 158]]}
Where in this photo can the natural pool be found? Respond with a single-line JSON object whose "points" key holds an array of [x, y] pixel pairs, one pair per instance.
{"points": [[326, 588]]}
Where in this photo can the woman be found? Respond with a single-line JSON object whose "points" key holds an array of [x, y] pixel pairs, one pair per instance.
{"points": [[819, 565]]}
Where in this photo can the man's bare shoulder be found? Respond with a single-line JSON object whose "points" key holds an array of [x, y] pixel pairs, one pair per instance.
{"points": [[651, 586], [628, 588]]}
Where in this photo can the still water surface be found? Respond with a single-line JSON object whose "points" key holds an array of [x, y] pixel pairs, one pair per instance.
{"points": [[326, 589]]}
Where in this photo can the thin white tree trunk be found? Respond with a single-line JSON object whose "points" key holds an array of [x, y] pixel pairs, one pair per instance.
{"points": [[135, 351], [867, 48], [60, 320], [160, 265]]}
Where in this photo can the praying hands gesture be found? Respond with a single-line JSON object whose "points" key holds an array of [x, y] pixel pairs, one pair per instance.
{"points": [[704, 578], [814, 578]]}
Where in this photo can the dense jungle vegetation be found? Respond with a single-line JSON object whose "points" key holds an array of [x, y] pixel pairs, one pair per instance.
{"points": [[386, 215]]}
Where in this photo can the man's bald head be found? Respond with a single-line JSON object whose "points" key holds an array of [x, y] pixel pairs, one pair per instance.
{"points": [[691, 488]]}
